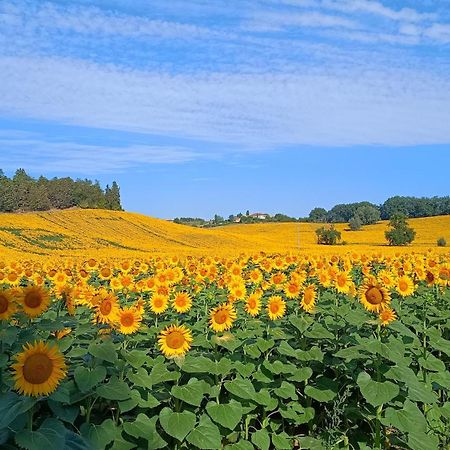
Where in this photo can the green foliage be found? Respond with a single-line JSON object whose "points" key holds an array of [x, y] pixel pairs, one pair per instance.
{"points": [[355, 223], [415, 207], [441, 242], [328, 235], [368, 214], [328, 380], [400, 233], [318, 215], [24, 193]]}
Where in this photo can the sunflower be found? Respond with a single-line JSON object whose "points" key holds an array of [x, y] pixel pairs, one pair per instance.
{"points": [[387, 316], [159, 303], [129, 320], [38, 370], [7, 305], [308, 301], [107, 309], [276, 307], [405, 286], [292, 289], [182, 302], [175, 340], [222, 317], [373, 295], [253, 304], [343, 282], [35, 301]]}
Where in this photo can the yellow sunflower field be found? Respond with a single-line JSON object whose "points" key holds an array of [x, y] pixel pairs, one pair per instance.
{"points": [[262, 351]]}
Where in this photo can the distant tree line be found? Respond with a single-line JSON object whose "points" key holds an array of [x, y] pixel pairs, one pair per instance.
{"points": [[22, 192], [366, 212]]}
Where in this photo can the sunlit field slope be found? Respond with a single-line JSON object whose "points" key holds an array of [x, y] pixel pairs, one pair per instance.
{"points": [[121, 234]]}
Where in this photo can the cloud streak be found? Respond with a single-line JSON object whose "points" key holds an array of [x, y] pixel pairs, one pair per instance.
{"points": [[71, 157], [387, 107]]}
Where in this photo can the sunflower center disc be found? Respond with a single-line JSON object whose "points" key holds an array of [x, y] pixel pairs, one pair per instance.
{"points": [[221, 317], [3, 304], [175, 340], [32, 300], [374, 296], [37, 368], [127, 320], [106, 307], [274, 308]]}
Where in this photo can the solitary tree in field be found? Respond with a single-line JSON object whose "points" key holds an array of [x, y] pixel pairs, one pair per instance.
{"points": [[400, 233], [328, 235]]}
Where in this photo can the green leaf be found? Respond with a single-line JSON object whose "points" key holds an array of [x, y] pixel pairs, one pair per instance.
{"points": [[197, 364], [114, 390], [160, 374], [423, 441], [64, 412], [265, 344], [318, 331], [227, 415], [301, 374], [242, 388], [192, 392], [313, 354], [301, 323], [106, 351], [286, 391], [136, 358], [141, 378], [261, 439], [281, 441], [50, 435], [323, 390], [121, 444], [11, 406], [376, 393], [99, 436], [206, 435], [145, 427], [141, 427], [264, 397], [86, 378], [177, 425], [241, 445], [406, 419]]}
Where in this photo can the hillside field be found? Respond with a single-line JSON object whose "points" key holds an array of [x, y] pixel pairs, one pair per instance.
{"points": [[101, 233]]}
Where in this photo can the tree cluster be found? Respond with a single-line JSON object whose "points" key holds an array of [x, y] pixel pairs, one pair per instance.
{"points": [[364, 212], [22, 192]]}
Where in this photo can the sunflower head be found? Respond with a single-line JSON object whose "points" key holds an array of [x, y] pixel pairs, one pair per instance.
{"points": [[222, 317], [159, 303], [175, 340], [35, 300], [253, 304], [7, 305], [129, 320], [374, 296], [38, 369], [276, 307], [182, 302], [387, 316], [308, 301]]}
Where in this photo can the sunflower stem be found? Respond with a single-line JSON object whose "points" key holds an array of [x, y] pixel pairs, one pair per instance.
{"points": [[30, 418]]}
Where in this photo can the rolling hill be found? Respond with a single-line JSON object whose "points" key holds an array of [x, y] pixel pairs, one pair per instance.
{"points": [[101, 233]]}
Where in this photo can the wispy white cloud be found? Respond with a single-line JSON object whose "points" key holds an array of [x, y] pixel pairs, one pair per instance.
{"points": [[40, 154], [390, 107], [378, 9]]}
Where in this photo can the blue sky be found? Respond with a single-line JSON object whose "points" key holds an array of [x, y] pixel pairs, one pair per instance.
{"points": [[199, 107]]}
